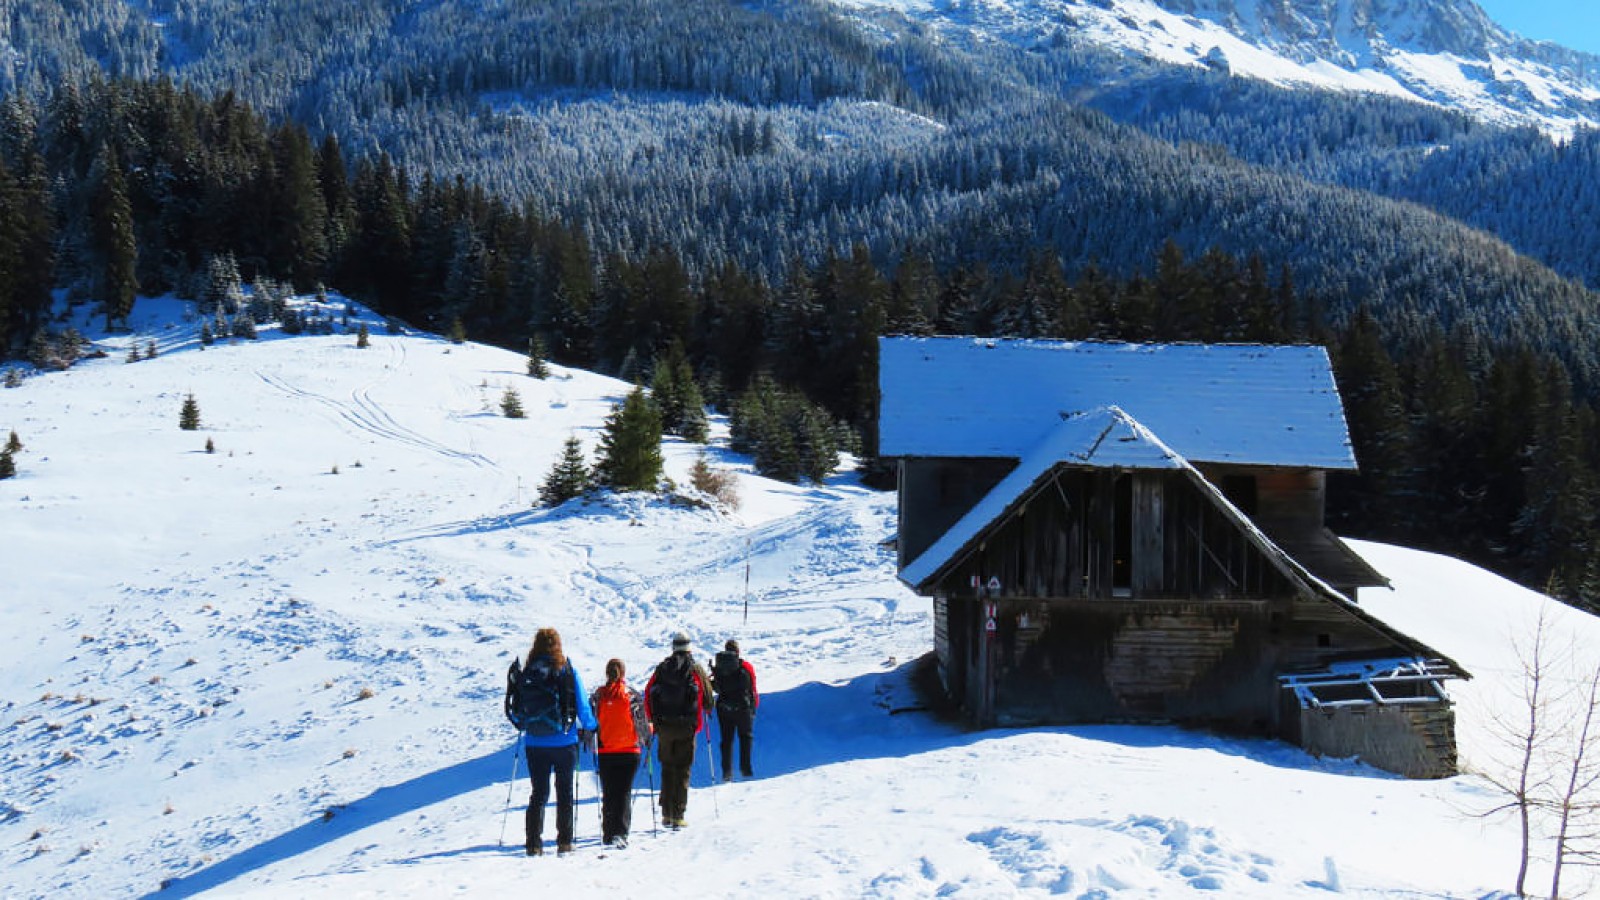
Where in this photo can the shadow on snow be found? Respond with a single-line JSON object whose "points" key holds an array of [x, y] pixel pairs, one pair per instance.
{"points": [[805, 727]]}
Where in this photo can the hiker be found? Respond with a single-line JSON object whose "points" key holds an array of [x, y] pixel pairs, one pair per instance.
{"points": [[546, 701], [734, 680], [623, 733], [675, 700]]}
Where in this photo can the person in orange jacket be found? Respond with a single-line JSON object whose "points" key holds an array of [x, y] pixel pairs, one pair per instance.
{"points": [[624, 732], [675, 700]]}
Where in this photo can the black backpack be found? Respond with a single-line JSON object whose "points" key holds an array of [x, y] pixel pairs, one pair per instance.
{"points": [[674, 693], [540, 699], [731, 681]]}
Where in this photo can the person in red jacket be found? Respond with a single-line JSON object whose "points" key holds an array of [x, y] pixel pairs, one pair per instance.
{"points": [[623, 734], [734, 680], [675, 700]]}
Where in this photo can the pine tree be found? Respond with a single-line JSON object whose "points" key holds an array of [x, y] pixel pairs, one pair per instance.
{"points": [[207, 336], [13, 443], [189, 418], [8, 466], [569, 478], [675, 394], [511, 404], [536, 354], [114, 240], [630, 446], [363, 340], [211, 446], [150, 350]]}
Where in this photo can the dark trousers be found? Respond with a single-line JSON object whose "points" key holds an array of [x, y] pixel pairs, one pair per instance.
{"points": [[616, 793], [741, 722], [675, 749], [542, 762]]}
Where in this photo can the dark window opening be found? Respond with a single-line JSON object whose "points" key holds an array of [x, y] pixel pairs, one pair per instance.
{"points": [[1241, 492]]}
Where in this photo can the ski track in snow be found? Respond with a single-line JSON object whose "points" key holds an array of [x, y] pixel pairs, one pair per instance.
{"points": [[369, 416]]}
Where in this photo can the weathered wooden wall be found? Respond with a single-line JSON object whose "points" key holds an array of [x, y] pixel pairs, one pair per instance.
{"points": [[1417, 740], [1134, 661]]}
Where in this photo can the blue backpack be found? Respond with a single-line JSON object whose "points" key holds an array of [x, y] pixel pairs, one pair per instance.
{"points": [[541, 700]]}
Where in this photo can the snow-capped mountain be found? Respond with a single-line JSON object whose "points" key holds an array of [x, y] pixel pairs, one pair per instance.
{"points": [[1444, 52]]}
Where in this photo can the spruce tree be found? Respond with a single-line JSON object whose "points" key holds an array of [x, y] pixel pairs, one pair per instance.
{"points": [[13, 443], [536, 354], [8, 466], [511, 404], [114, 241], [189, 418], [630, 446], [569, 478], [363, 340]]}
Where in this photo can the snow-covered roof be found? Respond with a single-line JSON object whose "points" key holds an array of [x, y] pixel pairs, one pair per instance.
{"points": [[1249, 404], [1105, 437]]}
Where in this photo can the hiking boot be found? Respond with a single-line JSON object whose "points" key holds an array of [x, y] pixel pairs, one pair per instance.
{"points": [[563, 849], [535, 850]]}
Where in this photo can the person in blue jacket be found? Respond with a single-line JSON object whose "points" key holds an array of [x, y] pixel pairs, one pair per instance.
{"points": [[548, 704]]}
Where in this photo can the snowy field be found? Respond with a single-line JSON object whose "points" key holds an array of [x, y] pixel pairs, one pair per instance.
{"points": [[275, 670]]}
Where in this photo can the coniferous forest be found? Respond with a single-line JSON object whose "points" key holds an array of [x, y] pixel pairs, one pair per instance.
{"points": [[757, 210]]}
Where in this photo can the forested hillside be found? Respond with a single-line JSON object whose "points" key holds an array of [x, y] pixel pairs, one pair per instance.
{"points": [[770, 187]]}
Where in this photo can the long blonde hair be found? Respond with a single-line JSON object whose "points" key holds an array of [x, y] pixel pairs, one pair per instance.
{"points": [[547, 642]]}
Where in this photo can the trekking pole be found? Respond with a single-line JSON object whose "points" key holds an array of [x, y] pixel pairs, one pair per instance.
{"points": [[711, 765], [650, 773], [599, 791], [516, 751]]}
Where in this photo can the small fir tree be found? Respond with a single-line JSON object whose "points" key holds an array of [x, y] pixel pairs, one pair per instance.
{"points": [[458, 331], [630, 446], [536, 365], [13, 443], [133, 354], [189, 418], [211, 446], [150, 350], [511, 404], [8, 466], [207, 336], [13, 378], [363, 340], [569, 478]]}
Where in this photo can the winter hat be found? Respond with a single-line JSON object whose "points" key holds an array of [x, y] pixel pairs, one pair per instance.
{"points": [[680, 641], [731, 646]]}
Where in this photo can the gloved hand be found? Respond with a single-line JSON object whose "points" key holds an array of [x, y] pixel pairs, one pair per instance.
{"points": [[587, 739]]}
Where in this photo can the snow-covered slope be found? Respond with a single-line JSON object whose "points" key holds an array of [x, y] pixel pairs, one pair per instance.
{"points": [[243, 674], [1446, 52]]}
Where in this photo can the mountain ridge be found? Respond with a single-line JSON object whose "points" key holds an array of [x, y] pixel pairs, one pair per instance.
{"points": [[1447, 53]]}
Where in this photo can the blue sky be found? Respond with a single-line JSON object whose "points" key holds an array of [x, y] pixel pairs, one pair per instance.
{"points": [[1571, 23]]}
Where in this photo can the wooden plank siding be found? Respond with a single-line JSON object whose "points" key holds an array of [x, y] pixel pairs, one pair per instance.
{"points": [[1062, 543]]}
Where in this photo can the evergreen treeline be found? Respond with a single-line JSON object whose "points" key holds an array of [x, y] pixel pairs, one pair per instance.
{"points": [[796, 133], [1478, 424]]}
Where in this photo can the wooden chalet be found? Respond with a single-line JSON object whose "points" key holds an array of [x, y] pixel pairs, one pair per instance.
{"points": [[1134, 533]]}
